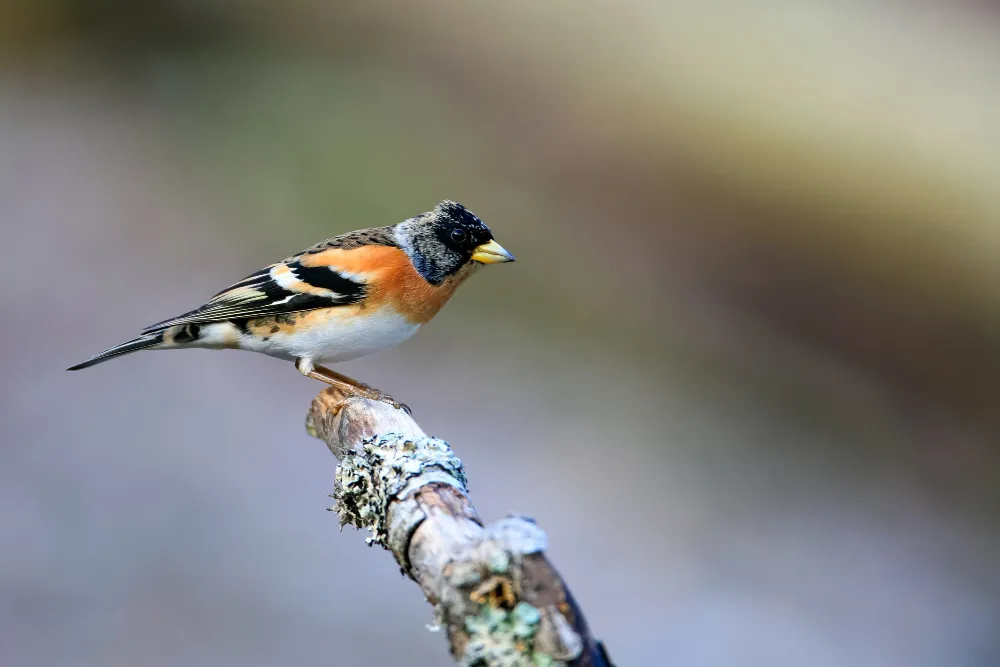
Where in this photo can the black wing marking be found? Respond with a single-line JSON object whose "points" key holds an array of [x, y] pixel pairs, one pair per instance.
{"points": [[260, 295]]}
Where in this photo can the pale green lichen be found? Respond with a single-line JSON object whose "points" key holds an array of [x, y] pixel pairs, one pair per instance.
{"points": [[367, 481], [499, 562], [526, 619], [501, 638], [389, 466]]}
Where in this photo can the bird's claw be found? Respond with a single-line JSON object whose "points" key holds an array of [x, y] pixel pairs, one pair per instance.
{"points": [[378, 395]]}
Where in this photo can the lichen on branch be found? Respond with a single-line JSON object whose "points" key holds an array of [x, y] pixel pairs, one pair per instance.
{"points": [[383, 470]]}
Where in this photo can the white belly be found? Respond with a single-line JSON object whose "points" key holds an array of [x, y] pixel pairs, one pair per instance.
{"points": [[338, 337]]}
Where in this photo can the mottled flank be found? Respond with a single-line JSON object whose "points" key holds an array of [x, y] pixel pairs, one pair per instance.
{"points": [[267, 326]]}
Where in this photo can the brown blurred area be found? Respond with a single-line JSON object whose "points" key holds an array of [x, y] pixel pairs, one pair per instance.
{"points": [[745, 371]]}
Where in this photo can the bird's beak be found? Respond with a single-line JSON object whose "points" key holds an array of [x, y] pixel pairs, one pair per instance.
{"points": [[492, 253]]}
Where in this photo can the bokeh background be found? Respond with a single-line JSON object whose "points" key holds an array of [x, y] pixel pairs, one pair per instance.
{"points": [[745, 372]]}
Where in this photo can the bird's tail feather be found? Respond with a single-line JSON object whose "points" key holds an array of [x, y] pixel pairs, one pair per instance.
{"points": [[143, 342]]}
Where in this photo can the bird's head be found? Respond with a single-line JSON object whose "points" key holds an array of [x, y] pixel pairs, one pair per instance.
{"points": [[442, 242]]}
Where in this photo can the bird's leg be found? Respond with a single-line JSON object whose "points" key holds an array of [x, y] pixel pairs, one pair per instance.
{"points": [[347, 384], [355, 387]]}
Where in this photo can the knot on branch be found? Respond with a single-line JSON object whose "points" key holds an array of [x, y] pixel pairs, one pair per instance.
{"points": [[387, 467]]}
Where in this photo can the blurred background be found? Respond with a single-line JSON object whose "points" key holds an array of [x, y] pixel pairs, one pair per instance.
{"points": [[745, 372]]}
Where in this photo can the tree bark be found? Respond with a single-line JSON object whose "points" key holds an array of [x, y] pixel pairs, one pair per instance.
{"points": [[496, 594]]}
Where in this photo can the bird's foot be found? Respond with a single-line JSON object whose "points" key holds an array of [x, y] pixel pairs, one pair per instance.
{"points": [[378, 395], [349, 386]]}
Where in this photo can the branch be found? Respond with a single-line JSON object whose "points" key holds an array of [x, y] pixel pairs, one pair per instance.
{"points": [[500, 600]]}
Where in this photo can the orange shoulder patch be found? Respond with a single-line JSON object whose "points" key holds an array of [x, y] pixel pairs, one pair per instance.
{"points": [[366, 259]]}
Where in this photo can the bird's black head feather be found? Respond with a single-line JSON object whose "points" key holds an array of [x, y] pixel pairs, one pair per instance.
{"points": [[442, 241]]}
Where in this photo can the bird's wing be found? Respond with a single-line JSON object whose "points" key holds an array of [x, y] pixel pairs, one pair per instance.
{"points": [[322, 276], [281, 288]]}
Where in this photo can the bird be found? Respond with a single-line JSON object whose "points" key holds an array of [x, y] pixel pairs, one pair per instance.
{"points": [[344, 298]]}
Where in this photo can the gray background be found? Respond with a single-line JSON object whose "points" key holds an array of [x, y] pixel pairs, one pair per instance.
{"points": [[744, 372]]}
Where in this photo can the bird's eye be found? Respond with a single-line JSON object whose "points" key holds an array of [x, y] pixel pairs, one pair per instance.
{"points": [[458, 235]]}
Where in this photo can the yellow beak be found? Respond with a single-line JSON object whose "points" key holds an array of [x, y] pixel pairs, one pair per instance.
{"points": [[492, 253]]}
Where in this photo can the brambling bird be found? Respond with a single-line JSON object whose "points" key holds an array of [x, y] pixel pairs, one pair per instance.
{"points": [[344, 298]]}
